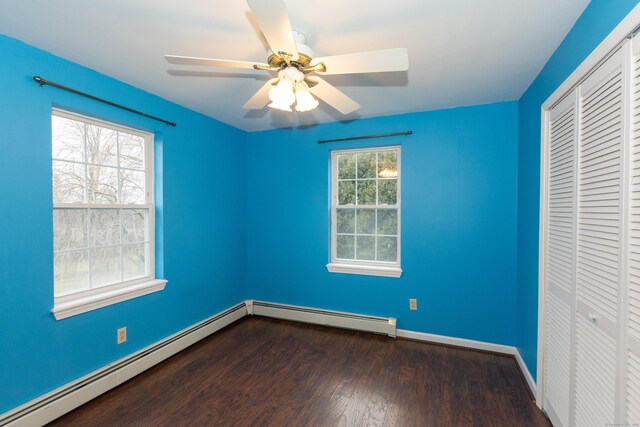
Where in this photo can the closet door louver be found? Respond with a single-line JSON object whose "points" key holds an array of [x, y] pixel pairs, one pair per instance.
{"points": [[560, 259], [599, 242], [632, 398]]}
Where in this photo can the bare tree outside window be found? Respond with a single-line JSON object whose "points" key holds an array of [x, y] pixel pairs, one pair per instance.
{"points": [[101, 205]]}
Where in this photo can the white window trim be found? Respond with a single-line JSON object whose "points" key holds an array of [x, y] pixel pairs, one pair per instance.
{"points": [[110, 295], [81, 302], [362, 269], [367, 268]]}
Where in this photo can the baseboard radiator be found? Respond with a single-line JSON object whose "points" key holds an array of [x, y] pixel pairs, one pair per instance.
{"points": [[70, 396], [50, 406], [338, 319], [64, 399]]}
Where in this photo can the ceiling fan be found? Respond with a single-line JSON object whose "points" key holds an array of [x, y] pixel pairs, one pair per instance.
{"points": [[298, 70]]}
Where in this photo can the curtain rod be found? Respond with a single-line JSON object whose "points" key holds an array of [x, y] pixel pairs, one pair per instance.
{"points": [[43, 82], [380, 135]]}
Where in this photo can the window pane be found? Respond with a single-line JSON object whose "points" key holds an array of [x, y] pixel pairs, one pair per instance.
{"points": [[388, 221], [345, 247], [69, 229], [367, 230], [387, 191], [131, 151], [132, 187], [67, 139], [347, 166], [68, 182], [365, 247], [134, 225], [387, 165], [102, 183], [102, 146], [134, 261], [105, 266], [97, 164], [366, 221], [387, 249], [346, 221], [105, 227], [70, 272], [367, 165], [367, 192], [346, 193]]}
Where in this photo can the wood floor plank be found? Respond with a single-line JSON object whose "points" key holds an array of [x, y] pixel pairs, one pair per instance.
{"points": [[267, 372]]}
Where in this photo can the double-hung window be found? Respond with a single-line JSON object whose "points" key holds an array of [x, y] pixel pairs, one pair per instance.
{"points": [[103, 228], [365, 211]]}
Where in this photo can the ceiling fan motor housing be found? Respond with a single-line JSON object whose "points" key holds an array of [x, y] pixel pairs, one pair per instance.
{"points": [[292, 74], [305, 54]]}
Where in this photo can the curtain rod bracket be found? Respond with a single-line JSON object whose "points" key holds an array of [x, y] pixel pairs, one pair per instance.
{"points": [[43, 82]]}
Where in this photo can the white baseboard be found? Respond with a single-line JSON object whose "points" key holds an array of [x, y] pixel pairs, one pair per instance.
{"points": [[458, 342], [381, 325], [64, 399], [476, 345], [337, 319], [527, 376]]}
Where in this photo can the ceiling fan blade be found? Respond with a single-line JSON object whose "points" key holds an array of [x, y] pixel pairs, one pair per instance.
{"points": [[261, 97], [332, 96], [377, 61], [222, 63], [273, 19]]}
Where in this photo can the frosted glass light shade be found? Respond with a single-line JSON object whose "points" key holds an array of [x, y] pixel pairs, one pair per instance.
{"points": [[304, 100], [282, 95], [281, 106]]}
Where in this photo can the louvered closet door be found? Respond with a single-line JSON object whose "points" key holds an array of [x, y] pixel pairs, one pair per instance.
{"points": [[632, 398], [599, 244], [560, 291]]}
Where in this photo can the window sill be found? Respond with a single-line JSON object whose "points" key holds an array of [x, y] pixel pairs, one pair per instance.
{"points": [[83, 304], [367, 270]]}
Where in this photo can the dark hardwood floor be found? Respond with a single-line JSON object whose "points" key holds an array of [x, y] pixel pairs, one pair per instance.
{"points": [[266, 372]]}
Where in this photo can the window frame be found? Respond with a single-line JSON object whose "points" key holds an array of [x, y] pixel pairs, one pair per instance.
{"points": [[73, 303], [364, 267]]}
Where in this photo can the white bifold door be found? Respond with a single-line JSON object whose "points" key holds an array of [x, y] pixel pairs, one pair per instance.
{"points": [[631, 345], [591, 248], [560, 263]]}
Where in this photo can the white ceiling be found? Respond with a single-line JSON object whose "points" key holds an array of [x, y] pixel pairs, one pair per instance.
{"points": [[461, 52]]}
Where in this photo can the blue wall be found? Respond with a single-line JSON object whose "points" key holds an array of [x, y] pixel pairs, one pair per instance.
{"points": [[247, 215], [202, 176], [597, 21], [458, 221]]}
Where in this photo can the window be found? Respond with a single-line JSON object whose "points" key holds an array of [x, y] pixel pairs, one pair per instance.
{"points": [[103, 230], [365, 212]]}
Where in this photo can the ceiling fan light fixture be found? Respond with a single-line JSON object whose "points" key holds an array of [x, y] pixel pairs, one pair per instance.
{"points": [[291, 88], [304, 100], [282, 95]]}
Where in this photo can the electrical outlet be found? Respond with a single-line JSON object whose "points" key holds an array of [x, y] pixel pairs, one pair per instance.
{"points": [[413, 304], [122, 335]]}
